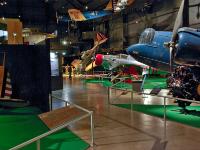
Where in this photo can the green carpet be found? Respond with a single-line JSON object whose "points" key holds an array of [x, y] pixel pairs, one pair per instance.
{"points": [[24, 125], [150, 83], [173, 113]]}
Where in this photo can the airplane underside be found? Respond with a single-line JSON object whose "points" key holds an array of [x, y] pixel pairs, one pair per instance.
{"points": [[185, 83]]}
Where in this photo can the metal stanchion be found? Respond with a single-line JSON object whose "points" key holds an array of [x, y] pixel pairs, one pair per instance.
{"points": [[92, 129], [108, 95], [50, 102], [132, 97], [164, 117], [38, 144]]}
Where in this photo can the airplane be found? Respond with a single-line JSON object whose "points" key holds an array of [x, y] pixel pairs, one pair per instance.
{"points": [[112, 6], [177, 52], [77, 15], [89, 54], [124, 64], [118, 60]]}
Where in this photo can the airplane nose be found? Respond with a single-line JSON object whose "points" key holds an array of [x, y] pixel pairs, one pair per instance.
{"points": [[99, 59]]}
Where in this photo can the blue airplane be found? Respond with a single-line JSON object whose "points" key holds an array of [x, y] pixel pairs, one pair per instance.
{"points": [[151, 50], [177, 52]]}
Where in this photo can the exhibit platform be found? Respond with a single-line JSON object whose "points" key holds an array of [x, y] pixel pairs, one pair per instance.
{"points": [[118, 128]]}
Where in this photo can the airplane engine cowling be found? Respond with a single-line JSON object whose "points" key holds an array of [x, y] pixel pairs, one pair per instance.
{"points": [[188, 49], [99, 59]]}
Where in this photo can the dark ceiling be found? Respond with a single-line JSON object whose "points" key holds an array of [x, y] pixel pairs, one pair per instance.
{"points": [[35, 13], [63, 5], [42, 13]]}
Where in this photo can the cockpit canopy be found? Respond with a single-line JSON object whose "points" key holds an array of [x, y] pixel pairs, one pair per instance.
{"points": [[147, 36]]}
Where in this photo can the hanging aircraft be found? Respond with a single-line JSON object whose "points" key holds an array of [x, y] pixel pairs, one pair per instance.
{"points": [[112, 6], [89, 54], [77, 15], [177, 52]]}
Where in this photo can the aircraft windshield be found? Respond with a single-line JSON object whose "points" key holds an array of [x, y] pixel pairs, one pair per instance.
{"points": [[147, 36]]}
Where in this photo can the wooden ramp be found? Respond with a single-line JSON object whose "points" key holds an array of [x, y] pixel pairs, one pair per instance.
{"points": [[60, 116]]}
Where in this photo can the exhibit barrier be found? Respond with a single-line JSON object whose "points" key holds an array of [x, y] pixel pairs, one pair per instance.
{"points": [[64, 125], [164, 98]]}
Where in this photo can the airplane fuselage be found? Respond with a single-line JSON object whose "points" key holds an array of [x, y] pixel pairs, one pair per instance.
{"points": [[151, 50]]}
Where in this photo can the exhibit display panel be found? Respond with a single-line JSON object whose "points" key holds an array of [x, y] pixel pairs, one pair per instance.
{"points": [[29, 69]]}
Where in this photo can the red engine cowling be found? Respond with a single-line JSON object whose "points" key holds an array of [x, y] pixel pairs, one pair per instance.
{"points": [[99, 59]]}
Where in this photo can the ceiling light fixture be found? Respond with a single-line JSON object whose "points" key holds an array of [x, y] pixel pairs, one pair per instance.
{"points": [[3, 2], [121, 5]]}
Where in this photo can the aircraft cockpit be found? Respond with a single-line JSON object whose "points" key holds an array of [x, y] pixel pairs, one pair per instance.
{"points": [[147, 36]]}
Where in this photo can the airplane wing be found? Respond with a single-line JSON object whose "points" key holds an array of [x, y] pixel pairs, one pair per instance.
{"points": [[90, 66], [77, 15]]}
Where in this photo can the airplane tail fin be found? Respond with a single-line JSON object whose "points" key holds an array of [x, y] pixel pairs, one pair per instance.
{"points": [[109, 5], [100, 38]]}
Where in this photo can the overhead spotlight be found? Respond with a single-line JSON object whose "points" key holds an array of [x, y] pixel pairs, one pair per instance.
{"points": [[14, 34], [86, 7], [19, 16], [64, 42], [119, 4], [117, 9], [63, 53], [3, 2], [124, 2], [3, 18]]}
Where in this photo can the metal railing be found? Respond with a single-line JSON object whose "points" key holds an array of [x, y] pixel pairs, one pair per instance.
{"points": [[38, 138], [165, 98]]}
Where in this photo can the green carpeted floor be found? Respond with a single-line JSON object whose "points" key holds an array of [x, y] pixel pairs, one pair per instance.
{"points": [[150, 83], [22, 124], [173, 112]]}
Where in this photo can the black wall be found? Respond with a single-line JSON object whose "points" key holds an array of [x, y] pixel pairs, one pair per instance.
{"points": [[29, 68]]}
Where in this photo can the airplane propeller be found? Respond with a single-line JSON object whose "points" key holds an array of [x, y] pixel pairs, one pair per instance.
{"points": [[178, 24]]}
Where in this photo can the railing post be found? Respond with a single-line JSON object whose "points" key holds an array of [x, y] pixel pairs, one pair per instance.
{"points": [[50, 102], [108, 95], [38, 144], [92, 129], [164, 117], [132, 98]]}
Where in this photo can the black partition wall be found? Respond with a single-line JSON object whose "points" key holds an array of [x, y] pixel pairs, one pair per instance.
{"points": [[29, 68]]}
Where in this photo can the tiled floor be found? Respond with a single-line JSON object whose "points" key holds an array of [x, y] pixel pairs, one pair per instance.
{"points": [[121, 129]]}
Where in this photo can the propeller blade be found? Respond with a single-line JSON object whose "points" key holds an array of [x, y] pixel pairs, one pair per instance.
{"points": [[178, 22]]}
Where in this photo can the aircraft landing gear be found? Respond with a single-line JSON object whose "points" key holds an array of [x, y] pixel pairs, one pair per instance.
{"points": [[185, 83]]}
